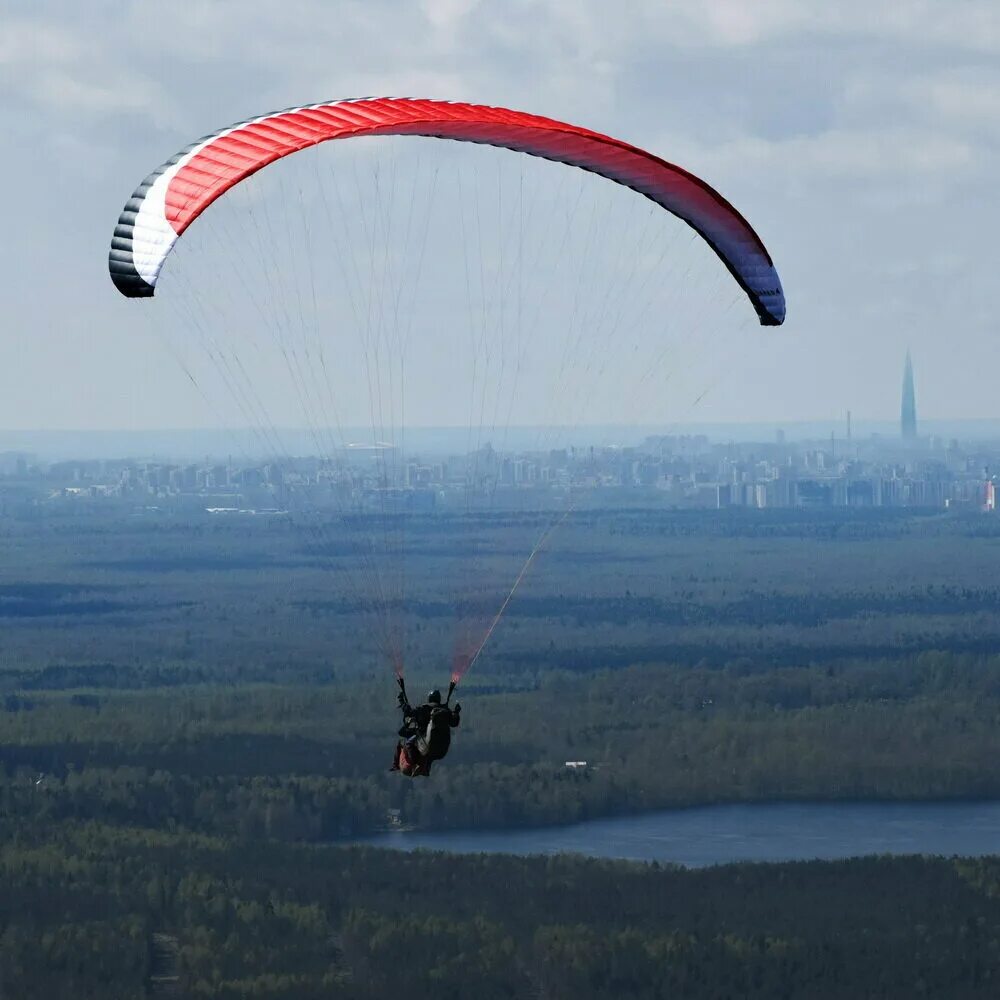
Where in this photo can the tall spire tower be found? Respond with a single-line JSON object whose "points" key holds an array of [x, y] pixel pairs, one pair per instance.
{"points": [[908, 411]]}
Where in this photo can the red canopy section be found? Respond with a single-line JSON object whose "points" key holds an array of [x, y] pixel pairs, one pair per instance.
{"points": [[175, 194]]}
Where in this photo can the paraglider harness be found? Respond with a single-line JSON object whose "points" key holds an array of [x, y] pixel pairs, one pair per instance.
{"points": [[423, 741]]}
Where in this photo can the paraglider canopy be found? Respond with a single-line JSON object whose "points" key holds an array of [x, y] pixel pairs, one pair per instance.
{"points": [[551, 299], [176, 193]]}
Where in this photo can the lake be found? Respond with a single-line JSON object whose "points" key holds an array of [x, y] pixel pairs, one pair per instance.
{"points": [[752, 832]]}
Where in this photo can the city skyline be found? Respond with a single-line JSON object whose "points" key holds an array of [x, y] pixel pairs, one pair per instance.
{"points": [[675, 471]]}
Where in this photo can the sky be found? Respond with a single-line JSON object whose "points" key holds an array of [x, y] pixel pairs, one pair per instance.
{"points": [[860, 139]]}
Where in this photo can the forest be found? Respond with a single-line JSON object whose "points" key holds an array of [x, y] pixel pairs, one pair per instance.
{"points": [[150, 599], [194, 724], [310, 762], [108, 912]]}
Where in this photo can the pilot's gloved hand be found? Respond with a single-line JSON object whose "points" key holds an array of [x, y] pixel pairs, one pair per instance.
{"points": [[401, 699], [457, 708]]}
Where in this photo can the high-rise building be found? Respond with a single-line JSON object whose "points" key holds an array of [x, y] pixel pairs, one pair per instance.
{"points": [[908, 411]]}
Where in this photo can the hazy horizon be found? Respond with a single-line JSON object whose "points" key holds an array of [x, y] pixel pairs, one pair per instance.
{"points": [[244, 443]]}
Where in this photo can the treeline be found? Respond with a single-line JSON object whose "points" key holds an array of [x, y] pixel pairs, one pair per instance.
{"points": [[750, 609], [310, 762], [830, 524], [91, 911], [162, 601]]}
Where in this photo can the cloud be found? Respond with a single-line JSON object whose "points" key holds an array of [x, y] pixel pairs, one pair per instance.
{"points": [[861, 137], [71, 72], [969, 25], [25, 42], [69, 92], [891, 153], [962, 99], [447, 14]]}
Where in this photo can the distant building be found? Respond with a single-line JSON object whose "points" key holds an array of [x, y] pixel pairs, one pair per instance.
{"points": [[861, 493], [908, 410], [813, 493], [15, 463]]}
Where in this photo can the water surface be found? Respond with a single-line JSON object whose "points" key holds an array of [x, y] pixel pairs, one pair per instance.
{"points": [[759, 832]]}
